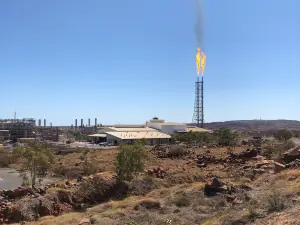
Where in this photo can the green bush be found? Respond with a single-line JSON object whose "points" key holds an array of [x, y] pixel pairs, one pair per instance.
{"points": [[130, 161], [226, 137]]}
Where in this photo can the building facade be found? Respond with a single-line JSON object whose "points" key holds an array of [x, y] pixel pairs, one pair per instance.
{"points": [[18, 128], [4, 135], [151, 138], [166, 127]]}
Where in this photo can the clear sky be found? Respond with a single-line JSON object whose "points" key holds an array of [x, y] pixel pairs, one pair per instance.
{"points": [[126, 61]]}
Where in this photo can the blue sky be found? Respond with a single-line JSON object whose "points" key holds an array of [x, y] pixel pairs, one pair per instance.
{"points": [[126, 61]]}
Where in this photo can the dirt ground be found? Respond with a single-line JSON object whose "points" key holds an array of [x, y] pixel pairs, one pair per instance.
{"points": [[264, 198]]}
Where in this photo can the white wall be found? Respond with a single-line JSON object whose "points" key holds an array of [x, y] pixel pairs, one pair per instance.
{"points": [[111, 139], [167, 129]]}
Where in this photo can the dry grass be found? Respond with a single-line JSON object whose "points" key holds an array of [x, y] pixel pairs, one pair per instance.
{"points": [[103, 158], [67, 219], [181, 201], [211, 222], [289, 173]]}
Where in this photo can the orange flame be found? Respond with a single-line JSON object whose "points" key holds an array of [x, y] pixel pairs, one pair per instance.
{"points": [[198, 61], [203, 61]]}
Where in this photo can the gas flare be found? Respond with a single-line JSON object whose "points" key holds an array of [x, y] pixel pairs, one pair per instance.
{"points": [[200, 61], [203, 61]]}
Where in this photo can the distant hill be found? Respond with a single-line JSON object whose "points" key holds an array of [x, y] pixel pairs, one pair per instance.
{"points": [[256, 125]]}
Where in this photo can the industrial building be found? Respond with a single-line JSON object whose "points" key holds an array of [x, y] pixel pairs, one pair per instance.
{"points": [[151, 138], [48, 133], [154, 132], [125, 129], [128, 134], [98, 138], [18, 128], [166, 127], [4, 135], [197, 129], [87, 130], [171, 128]]}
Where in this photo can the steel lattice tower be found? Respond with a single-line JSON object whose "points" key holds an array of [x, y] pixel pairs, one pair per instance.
{"points": [[198, 117]]}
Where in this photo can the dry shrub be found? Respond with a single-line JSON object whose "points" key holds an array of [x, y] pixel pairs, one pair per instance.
{"points": [[180, 178], [211, 222], [147, 204], [68, 172], [252, 209], [177, 151], [98, 220], [142, 186], [6, 158], [100, 190], [30, 209], [277, 151], [95, 189], [90, 168], [146, 217], [60, 195], [181, 201], [294, 173], [84, 168], [275, 202]]}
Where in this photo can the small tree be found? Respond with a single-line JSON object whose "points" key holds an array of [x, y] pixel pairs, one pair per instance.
{"points": [[35, 158], [130, 161], [226, 137]]}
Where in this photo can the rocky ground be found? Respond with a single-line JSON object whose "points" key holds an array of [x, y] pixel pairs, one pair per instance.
{"points": [[195, 186]]}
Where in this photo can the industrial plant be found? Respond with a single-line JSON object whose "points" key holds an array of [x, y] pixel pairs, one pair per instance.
{"points": [[155, 131]]}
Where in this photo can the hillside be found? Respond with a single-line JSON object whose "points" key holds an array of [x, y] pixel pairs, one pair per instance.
{"points": [[257, 125], [208, 186]]}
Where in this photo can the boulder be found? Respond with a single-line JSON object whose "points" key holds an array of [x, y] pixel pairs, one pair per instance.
{"points": [[294, 164], [278, 167], [291, 154], [211, 188]]}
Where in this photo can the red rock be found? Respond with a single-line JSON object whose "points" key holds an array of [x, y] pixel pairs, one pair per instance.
{"points": [[278, 167]]}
